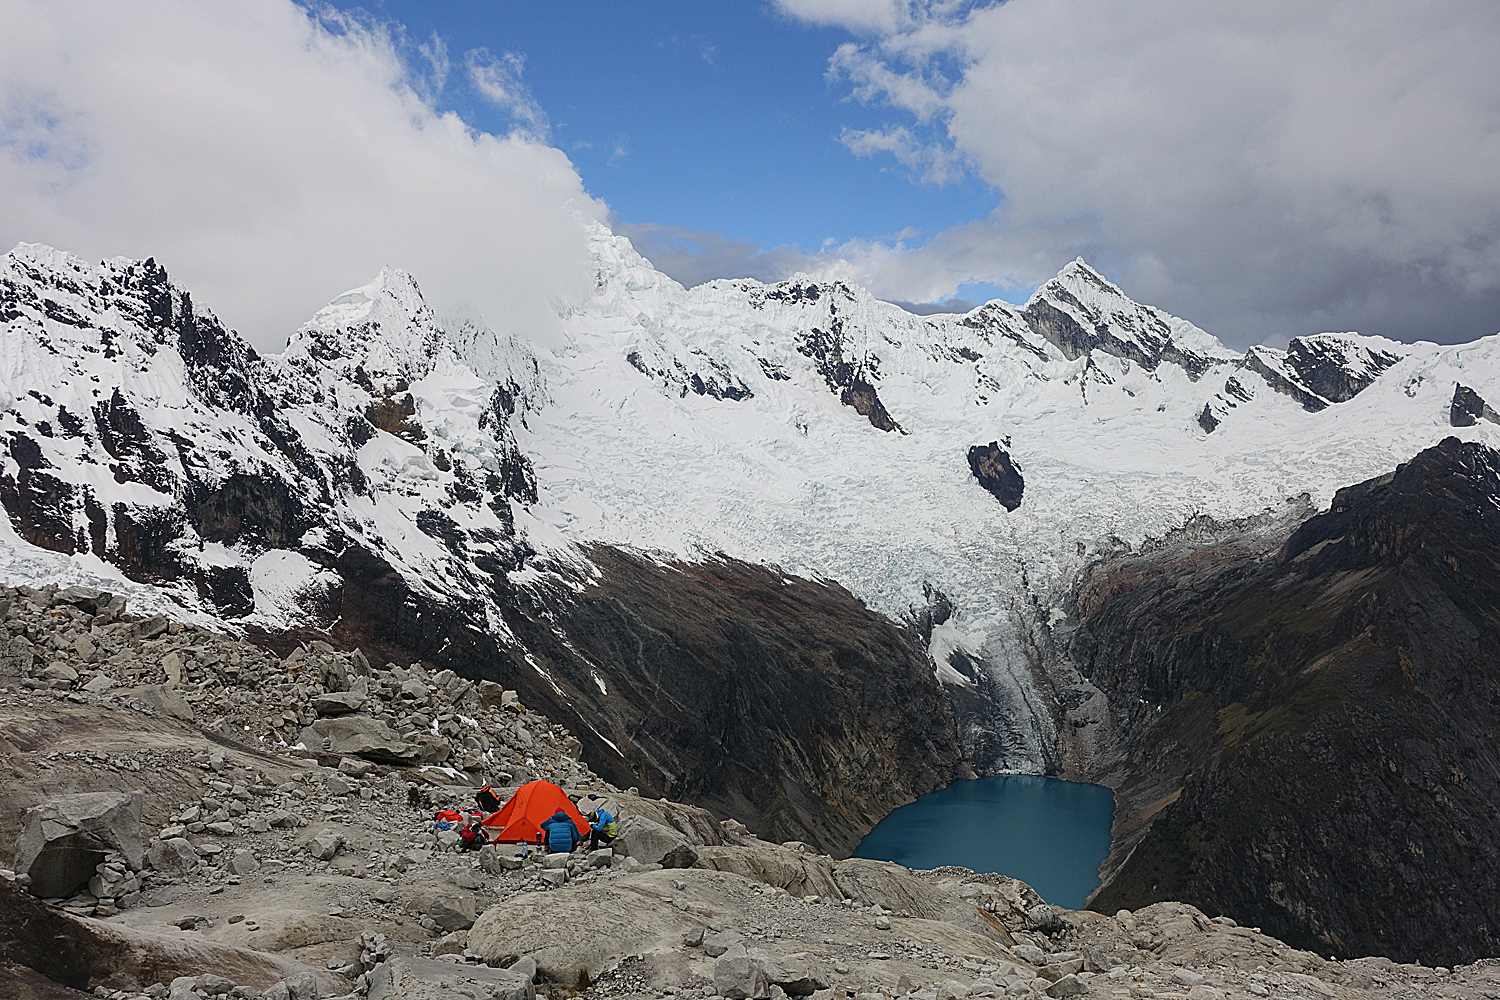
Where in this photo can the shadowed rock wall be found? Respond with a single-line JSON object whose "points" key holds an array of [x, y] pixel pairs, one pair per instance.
{"points": [[1309, 727]]}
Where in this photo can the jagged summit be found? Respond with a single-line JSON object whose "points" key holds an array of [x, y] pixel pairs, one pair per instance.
{"points": [[393, 296], [384, 328]]}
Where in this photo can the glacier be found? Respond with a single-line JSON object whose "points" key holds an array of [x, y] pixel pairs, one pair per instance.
{"points": [[802, 425]]}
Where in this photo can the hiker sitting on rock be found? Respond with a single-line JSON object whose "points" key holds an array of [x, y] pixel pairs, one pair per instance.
{"points": [[562, 834], [602, 829]]}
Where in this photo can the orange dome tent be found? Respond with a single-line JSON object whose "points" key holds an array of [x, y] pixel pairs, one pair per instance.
{"points": [[521, 818]]}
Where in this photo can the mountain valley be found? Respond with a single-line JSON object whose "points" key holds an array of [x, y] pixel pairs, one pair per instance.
{"points": [[796, 556]]}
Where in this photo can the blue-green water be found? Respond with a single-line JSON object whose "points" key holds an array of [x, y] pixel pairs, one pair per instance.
{"points": [[1050, 834]]}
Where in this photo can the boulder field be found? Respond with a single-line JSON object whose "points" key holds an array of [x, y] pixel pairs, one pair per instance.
{"points": [[191, 816]]}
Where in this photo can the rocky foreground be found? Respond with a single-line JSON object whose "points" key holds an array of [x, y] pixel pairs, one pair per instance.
{"points": [[192, 816]]}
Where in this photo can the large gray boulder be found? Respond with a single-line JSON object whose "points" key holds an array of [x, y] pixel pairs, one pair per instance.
{"points": [[799, 974], [338, 703], [64, 839], [18, 657], [360, 736], [895, 888], [164, 701], [799, 874], [739, 976], [408, 978], [579, 934], [652, 843], [456, 912], [173, 857], [89, 600]]}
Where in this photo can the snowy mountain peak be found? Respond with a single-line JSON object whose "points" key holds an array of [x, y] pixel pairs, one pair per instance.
{"points": [[619, 269], [1081, 280], [393, 293], [41, 256], [384, 329], [1080, 311], [1325, 368]]}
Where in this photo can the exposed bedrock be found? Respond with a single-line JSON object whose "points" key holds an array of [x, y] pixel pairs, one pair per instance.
{"points": [[782, 702], [1306, 716], [998, 473], [1469, 408]]}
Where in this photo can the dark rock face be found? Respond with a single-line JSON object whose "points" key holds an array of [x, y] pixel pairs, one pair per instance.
{"points": [[862, 396], [852, 379], [1150, 345], [1309, 401], [1308, 717], [1469, 408], [996, 472], [1317, 371], [1334, 371], [711, 379], [781, 702], [1207, 420], [255, 508], [39, 504]]}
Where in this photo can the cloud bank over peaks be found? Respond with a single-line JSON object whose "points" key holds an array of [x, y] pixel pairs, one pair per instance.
{"points": [[271, 157], [923, 280], [1266, 169]]}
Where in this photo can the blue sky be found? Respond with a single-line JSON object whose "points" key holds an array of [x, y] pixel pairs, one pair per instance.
{"points": [[716, 117]]}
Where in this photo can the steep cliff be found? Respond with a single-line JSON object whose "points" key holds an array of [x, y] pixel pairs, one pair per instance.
{"points": [[1306, 716], [783, 702]]}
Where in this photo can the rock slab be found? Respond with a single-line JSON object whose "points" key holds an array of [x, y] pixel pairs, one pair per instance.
{"points": [[408, 978], [64, 839], [653, 843]]}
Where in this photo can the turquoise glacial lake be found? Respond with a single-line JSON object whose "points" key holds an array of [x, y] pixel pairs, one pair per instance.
{"points": [[1048, 833]]}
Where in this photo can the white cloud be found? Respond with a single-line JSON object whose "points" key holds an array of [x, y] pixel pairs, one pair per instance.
{"points": [[498, 80], [879, 17], [1261, 168], [928, 162], [873, 16], [874, 80], [271, 159], [981, 251], [693, 256]]}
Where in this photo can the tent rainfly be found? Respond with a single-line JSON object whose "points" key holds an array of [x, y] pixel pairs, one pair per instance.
{"points": [[521, 818]]}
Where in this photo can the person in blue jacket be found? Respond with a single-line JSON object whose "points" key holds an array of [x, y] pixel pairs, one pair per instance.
{"points": [[602, 828], [562, 835]]}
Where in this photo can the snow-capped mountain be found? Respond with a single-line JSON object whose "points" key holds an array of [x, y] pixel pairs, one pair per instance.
{"points": [[148, 442], [964, 468]]}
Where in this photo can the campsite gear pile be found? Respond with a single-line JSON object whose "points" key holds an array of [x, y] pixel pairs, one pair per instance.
{"points": [[539, 813], [470, 827]]}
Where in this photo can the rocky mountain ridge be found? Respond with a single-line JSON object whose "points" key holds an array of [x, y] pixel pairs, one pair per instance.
{"points": [[1305, 714]]}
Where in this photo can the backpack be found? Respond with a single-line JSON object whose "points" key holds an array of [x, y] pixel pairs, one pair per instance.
{"points": [[487, 799], [472, 837]]}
